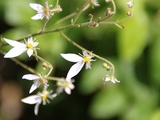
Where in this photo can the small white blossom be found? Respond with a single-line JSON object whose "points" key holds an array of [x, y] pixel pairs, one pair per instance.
{"points": [[37, 81], [112, 79], [130, 4], [94, 3], [38, 99], [80, 61], [66, 85], [19, 48], [41, 11]]}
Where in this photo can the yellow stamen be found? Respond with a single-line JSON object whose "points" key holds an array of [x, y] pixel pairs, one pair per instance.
{"points": [[30, 46], [45, 11], [40, 80], [45, 96], [86, 59]]}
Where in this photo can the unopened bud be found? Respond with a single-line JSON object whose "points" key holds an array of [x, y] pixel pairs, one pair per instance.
{"points": [[129, 13], [45, 66]]}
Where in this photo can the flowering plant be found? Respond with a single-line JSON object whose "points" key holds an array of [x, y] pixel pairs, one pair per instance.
{"points": [[41, 79]]}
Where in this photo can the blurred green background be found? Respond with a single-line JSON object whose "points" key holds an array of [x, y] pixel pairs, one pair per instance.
{"points": [[133, 50]]}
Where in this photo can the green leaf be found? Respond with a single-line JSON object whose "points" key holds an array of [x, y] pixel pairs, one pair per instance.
{"points": [[133, 39], [108, 103]]}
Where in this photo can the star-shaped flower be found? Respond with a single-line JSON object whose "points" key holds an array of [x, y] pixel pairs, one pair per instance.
{"points": [[66, 85], [19, 48], [41, 11], [38, 99], [37, 81], [80, 61], [130, 4], [112, 79], [94, 3]]}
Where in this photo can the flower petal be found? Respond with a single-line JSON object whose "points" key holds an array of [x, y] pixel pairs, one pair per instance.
{"points": [[72, 57], [74, 70], [14, 43], [29, 52], [33, 99], [68, 90], [30, 77], [14, 52], [36, 108], [34, 86], [38, 16], [36, 7]]}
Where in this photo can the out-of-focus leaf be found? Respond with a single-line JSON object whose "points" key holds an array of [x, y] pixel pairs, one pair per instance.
{"points": [[109, 102], [155, 61], [133, 39], [18, 12], [156, 115]]}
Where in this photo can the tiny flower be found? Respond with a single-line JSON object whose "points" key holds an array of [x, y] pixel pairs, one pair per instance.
{"points": [[37, 81], [38, 99], [41, 11], [112, 79], [80, 61], [94, 3], [66, 85], [19, 48], [130, 4]]}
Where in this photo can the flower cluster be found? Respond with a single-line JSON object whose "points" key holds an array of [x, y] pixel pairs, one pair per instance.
{"points": [[80, 60]]}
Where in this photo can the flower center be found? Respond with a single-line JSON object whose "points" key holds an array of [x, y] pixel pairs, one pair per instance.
{"points": [[45, 11], [86, 59], [30, 46], [40, 80], [45, 96]]}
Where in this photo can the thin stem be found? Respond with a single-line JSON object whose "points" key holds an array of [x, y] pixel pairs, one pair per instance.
{"points": [[57, 3], [49, 64], [83, 49], [80, 11]]}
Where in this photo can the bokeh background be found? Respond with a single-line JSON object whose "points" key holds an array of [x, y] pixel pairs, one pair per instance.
{"points": [[134, 50]]}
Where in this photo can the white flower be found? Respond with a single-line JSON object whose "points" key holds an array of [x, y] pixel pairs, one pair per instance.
{"points": [[80, 61], [94, 3], [112, 79], [130, 4], [38, 99], [41, 11], [66, 85], [37, 81], [19, 48]]}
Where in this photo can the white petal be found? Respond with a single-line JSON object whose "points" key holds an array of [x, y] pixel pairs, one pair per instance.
{"points": [[33, 99], [68, 91], [39, 16], [14, 43], [34, 86], [36, 6], [72, 57], [71, 86], [14, 52], [107, 79], [30, 77], [29, 52], [36, 108], [74, 70]]}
